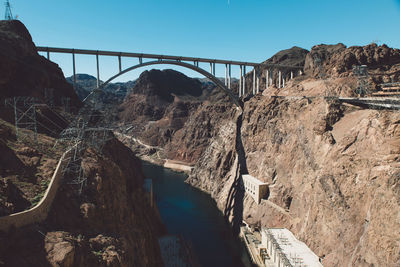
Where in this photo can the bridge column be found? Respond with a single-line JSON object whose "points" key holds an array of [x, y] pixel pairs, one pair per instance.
{"points": [[74, 68], [254, 81], [226, 74], [283, 81], [240, 80], [140, 60], [244, 80], [291, 75], [48, 54], [98, 70], [119, 63], [210, 67], [266, 79], [230, 77], [258, 84], [214, 68], [279, 79]]}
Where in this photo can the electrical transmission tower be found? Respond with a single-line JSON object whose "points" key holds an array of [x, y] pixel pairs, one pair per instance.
{"points": [[8, 15], [361, 72], [25, 115]]}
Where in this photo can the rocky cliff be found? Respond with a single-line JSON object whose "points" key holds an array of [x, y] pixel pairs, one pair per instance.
{"points": [[110, 223], [338, 60], [332, 169], [24, 72], [160, 104], [332, 180]]}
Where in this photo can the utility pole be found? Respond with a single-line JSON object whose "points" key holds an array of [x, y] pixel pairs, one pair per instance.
{"points": [[8, 15]]}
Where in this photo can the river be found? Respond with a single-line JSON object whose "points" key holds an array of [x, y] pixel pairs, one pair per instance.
{"points": [[193, 214]]}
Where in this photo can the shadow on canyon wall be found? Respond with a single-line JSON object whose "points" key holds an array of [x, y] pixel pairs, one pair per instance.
{"points": [[234, 202]]}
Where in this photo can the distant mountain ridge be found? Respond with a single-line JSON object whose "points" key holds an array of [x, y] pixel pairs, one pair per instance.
{"points": [[87, 83]]}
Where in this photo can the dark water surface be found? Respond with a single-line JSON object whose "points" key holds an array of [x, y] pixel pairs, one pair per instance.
{"points": [[191, 213]]}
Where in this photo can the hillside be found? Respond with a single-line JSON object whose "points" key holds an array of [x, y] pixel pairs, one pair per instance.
{"points": [[106, 222], [86, 83], [331, 168]]}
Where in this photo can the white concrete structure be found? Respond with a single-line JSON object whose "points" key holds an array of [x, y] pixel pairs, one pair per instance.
{"points": [[254, 187], [285, 250]]}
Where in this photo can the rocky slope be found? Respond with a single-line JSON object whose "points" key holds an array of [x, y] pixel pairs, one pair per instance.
{"points": [[160, 103], [85, 83], [110, 224], [332, 180], [338, 60], [294, 57], [332, 169], [23, 71]]}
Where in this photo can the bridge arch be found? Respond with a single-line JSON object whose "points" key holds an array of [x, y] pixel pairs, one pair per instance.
{"points": [[219, 84]]}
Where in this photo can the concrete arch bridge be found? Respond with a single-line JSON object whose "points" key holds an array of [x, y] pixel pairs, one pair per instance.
{"points": [[189, 63]]}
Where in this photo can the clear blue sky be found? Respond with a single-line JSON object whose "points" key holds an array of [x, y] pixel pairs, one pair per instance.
{"points": [[248, 30]]}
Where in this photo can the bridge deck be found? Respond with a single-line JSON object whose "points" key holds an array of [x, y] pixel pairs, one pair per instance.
{"points": [[156, 56]]}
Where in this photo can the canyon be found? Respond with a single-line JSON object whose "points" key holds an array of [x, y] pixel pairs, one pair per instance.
{"points": [[332, 169]]}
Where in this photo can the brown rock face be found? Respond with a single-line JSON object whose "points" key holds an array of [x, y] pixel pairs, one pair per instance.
{"points": [[338, 60], [110, 224], [333, 178], [294, 56], [23, 71], [160, 104]]}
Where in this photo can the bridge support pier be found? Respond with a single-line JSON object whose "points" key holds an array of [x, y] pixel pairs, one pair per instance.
{"points": [[98, 71], [254, 81], [213, 69], [240, 80], [119, 63], [258, 84], [48, 55], [283, 81], [279, 79], [291, 75], [244, 80], [74, 69], [266, 79], [226, 74], [230, 77]]}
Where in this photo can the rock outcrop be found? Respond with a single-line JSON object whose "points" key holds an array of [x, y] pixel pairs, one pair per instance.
{"points": [[110, 224], [338, 60], [160, 104], [86, 83], [24, 72], [332, 169], [293, 57]]}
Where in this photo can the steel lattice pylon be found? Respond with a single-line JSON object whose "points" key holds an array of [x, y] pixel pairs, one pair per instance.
{"points": [[361, 72], [8, 15], [25, 115]]}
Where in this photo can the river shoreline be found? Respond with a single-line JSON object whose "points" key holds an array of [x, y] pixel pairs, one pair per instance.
{"points": [[185, 210]]}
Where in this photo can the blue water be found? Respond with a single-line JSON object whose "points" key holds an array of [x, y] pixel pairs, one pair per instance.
{"points": [[192, 213]]}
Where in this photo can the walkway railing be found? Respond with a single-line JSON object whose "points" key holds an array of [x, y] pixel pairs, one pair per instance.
{"points": [[39, 212]]}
